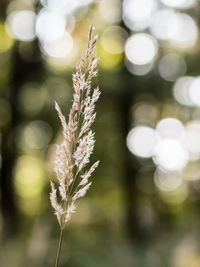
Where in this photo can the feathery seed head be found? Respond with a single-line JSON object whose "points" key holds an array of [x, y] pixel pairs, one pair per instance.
{"points": [[73, 154]]}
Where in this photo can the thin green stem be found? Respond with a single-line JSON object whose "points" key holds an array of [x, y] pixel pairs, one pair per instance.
{"points": [[59, 248]]}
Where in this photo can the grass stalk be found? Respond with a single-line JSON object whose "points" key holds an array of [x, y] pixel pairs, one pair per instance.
{"points": [[59, 248], [73, 154]]}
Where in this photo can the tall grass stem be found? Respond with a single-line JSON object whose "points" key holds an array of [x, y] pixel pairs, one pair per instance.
{"points": [[59, 248]]}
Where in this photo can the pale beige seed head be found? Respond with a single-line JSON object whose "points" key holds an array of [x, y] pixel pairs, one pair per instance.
{"points": [[73, 154]]}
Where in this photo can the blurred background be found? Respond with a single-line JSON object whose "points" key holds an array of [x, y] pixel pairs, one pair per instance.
{"points": [[143, 209]]}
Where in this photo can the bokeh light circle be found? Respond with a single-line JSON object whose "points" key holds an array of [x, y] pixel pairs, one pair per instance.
{"points": [[186, 31], [170, 154], [141, 141], [194, 91], [49, 26], [113, 39], [60, 48], [167, 181], [162, 24], [137, 13], [141, 48], [192, 131], [170, 128], [179, 3], [181, 90], [171, 66], [21, 25]]}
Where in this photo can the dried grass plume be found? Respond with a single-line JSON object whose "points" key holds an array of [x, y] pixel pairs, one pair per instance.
{"points": [[73, 154]]}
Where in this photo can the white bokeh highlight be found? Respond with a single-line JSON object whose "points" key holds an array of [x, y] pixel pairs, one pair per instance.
{"points": [[50, 26], [182, 4], [65, 7], [162, 24], [171, 66], [181, 90], [170, 128], [170, 155], [141, 141], [138, 70], [167, 181], [192, 132], [194, 92], [21, 25], [141, 48], [59, 49], [137, 13], [186, 31], [179, 29], [110, 10]]}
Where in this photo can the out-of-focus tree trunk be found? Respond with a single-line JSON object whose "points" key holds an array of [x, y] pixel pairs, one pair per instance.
{"points": [[21, 71], [130, 191], [6, 184]]}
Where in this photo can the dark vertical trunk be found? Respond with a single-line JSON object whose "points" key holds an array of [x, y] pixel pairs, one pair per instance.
{"points": [[130, 170], [21, 72], [6, 183], [135, 230]]}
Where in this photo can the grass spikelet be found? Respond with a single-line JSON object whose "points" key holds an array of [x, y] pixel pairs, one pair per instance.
{"points": [[73, 154]]}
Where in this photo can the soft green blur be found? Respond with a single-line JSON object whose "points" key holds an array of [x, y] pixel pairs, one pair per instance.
{"points": [[143, 207]]}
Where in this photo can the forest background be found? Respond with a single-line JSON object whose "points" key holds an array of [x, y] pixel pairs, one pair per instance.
{"points": [[143, 208]]}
